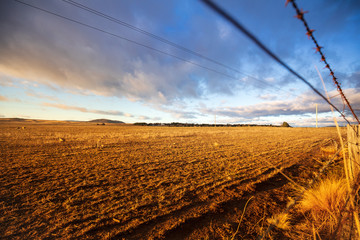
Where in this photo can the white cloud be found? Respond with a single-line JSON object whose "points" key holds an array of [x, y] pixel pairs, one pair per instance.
{"points": [[301, 105], [268, 97], [82, 109], [89, 62]]}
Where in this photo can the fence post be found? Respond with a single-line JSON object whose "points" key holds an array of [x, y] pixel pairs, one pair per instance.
{"points": [[354, 149]]}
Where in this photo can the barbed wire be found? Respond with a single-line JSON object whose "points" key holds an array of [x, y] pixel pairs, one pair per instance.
{"points": [[271, 54], [245, 31], [309, 32]]}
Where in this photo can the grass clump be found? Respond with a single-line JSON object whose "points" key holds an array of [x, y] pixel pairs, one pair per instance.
{"points": [[280, 221], [325, 203]]}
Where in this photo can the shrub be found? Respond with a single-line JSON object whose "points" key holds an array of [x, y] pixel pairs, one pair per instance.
{"points": [[285, 124]]}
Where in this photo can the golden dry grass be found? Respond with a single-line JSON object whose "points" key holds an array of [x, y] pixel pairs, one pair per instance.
{"points": [[123, 181], [326, 205], [281, 220], [326, 201]]}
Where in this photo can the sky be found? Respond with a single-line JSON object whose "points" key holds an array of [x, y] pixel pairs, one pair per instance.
{"points": [[175, 61]]}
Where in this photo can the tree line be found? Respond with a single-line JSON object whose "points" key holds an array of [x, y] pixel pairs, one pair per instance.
{"points": [[178, 124]]}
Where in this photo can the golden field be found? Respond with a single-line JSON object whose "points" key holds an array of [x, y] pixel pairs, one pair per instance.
{"points": [[68, 180]]}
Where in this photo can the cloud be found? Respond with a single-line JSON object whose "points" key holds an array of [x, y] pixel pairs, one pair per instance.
{"points": [[102, 112], [34, 48], [32, 93], [354, 79], [301, 105], [85, 110], [178, 112], [92, 61], [299, 121], [322, 122], [268, 97], [4, 99], [6, 81], [145, 118]]}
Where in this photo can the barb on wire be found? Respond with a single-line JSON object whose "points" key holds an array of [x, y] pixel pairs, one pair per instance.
{"points": [[309, 32]]}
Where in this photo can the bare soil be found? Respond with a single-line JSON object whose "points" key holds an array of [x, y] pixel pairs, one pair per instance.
{"points": [[61, 180]]}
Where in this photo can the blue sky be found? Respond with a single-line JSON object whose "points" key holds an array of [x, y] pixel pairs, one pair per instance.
{"points": [[52, 68]]}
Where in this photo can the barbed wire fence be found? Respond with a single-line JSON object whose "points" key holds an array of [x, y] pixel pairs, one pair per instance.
{"points": [[262, 46], [309, 33]]}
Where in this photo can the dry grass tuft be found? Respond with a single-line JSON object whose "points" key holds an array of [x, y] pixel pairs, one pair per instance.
{"points": [[281, 221], [325, 202], [328, 150], [331, 150]]}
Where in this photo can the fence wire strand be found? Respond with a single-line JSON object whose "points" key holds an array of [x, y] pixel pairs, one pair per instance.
{"points": [[245, 31], [309, 32]]}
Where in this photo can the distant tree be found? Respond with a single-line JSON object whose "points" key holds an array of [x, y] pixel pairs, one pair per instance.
{"points": [[285, 124], [140, 124]]}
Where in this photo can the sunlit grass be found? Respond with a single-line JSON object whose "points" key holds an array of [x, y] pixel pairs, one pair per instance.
{"points": [[281, 220], [325, 202]]}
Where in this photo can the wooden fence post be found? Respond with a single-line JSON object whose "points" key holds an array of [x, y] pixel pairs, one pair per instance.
{"points": [[354, 149]]}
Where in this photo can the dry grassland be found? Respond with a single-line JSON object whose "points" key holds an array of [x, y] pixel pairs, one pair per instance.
{"points": [[82, 181]]}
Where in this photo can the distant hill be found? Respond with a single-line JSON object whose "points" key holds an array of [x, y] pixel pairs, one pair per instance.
{"points": [[105, 121], [14, 119]]}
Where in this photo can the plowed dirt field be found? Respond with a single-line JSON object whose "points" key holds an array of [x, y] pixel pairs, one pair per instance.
{"points": [[82, 181]]}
